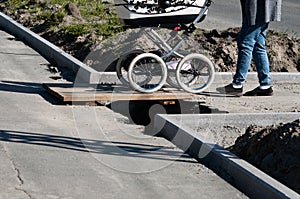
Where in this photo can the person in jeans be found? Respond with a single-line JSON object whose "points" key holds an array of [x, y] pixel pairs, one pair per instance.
{"points": [[251, 42]]}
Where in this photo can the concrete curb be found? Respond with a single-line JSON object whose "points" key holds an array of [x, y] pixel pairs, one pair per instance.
{"points": [[220, 77], [49, 51], [251, 181], [252, 76]]}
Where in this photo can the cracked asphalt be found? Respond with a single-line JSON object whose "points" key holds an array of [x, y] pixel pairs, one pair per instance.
{"points": [[49, 150]]}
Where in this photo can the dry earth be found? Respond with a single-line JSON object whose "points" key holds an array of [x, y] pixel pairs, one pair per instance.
{"points": [[283, 50], [221, 47], [273, 149]]}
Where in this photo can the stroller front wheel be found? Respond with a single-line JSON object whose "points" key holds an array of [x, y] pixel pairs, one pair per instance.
{"points": [[195, 73], [147, 73]]}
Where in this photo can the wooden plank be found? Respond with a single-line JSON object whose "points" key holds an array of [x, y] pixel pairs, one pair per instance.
{"points": [[69, 93]]}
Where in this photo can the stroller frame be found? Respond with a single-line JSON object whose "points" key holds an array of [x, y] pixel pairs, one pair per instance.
{"points": [[148, 72]]}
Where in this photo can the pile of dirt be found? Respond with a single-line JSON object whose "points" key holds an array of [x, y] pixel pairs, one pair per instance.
{"points": [[220, 46], [283, 50], [273, 149]]}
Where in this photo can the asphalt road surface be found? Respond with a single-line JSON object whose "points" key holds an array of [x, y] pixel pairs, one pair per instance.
{"points": [[227, 14], [49, 150]]}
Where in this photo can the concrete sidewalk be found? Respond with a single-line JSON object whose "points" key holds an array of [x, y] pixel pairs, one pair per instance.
{"points": [[286, 96], [48, 150]]}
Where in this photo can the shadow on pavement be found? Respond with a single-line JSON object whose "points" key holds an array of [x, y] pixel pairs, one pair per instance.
{"points": [[28, 88], [95, 146], [142, 112]]}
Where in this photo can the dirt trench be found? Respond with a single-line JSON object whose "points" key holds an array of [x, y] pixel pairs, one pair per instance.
{"points": [[273, 149]]}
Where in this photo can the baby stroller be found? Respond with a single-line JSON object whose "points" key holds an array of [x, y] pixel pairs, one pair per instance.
{"points": [[149, 71]]}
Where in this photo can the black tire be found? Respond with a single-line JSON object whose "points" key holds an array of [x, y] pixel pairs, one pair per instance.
{"points": [[124, 63]]}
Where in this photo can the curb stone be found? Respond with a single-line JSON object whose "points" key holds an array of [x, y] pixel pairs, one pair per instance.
{"points": [[250, 180], [50, 52]]}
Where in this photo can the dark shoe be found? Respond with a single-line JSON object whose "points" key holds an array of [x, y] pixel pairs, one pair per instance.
{"points": [[260, 92], [230, 90]]}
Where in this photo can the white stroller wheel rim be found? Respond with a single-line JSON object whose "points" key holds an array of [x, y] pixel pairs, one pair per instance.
{"points": [[140, 66], [196, 77]]}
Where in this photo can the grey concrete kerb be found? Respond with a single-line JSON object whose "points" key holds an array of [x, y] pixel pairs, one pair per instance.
{"points": [[252, 76], [49, 51], [180, 130]]}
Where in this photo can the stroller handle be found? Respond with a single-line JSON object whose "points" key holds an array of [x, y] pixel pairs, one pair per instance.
{"points": [[203, 11]]}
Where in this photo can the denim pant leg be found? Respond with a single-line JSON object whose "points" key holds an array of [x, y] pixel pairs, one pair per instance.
{"points": [[246, 42], [261, 58]]}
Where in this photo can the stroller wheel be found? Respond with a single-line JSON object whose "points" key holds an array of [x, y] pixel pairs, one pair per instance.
{"points": [[172, 63], [195, 73], [147, 73], [123, 65]]}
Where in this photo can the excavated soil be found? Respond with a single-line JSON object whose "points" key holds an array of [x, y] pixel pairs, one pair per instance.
{"points": [[283, 50], [274, 150], [220, 46]]}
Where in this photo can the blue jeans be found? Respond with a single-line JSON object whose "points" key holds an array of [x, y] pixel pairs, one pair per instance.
{"points": [[251, 42]]}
